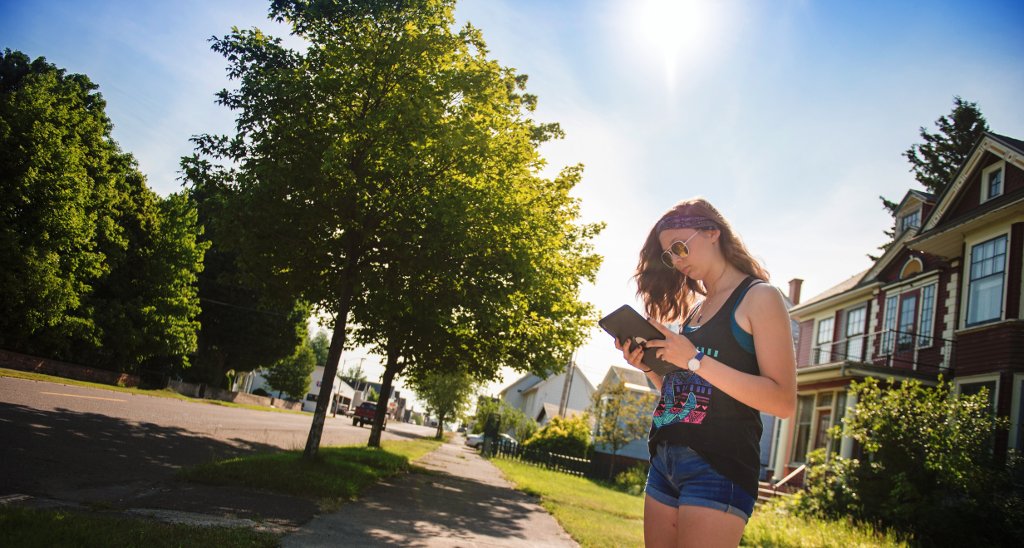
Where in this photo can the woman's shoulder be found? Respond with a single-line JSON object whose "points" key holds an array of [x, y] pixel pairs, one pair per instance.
{"points": [[762, 297]]}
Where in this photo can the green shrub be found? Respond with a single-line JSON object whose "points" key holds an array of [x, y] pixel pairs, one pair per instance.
{"points": [[632, 480], [927, 468], [563, 437]]}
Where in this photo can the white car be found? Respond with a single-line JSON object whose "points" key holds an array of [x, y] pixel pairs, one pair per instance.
{"points": [[476, 440]]}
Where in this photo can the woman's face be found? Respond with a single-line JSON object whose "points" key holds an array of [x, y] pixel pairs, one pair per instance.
{"points": [[688, 249]]}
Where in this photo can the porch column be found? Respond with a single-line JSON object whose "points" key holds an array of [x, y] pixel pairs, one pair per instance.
{"points": [[782, 448], [846, 444]]}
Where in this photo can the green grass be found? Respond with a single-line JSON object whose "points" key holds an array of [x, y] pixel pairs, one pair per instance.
{"points": [[591, 512], [595, 514], [337, 475], [774, 525], [24, 527], [165, 393]]}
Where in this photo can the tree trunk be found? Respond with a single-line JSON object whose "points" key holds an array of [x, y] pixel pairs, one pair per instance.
{"points": [[390, 370], [440, 427], [323, 400]]}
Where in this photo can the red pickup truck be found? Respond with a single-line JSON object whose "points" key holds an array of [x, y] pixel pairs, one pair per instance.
{"points": [[365, 413]]}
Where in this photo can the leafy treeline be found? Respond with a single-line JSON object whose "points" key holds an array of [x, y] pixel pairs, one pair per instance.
{"points": [[95, 268], [389, 175]]}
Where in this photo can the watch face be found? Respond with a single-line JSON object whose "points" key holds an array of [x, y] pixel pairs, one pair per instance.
{"points": [[693, 364]]}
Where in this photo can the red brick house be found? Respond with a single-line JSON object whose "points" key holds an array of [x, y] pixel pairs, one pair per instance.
{"points": [[944, 298]]}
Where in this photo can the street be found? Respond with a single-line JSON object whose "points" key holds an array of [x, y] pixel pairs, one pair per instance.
{"points": [[85, 445]]}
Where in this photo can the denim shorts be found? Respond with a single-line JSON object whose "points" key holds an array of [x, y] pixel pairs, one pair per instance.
{"points": [[680, 477]]}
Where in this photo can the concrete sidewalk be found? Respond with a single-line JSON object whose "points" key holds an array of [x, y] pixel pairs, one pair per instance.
{"points": [[462, 500]]}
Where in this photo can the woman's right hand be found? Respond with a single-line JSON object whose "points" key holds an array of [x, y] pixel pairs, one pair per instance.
{"points": [[633, 354]]}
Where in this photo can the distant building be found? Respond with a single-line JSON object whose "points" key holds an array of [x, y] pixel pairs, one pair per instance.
{"points": [[566, 394]]}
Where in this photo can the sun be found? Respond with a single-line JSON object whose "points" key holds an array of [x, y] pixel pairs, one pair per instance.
{"points": [[678, 32]]}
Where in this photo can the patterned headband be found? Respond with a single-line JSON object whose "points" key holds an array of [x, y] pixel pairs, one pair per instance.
{"points": [[684, 221]]}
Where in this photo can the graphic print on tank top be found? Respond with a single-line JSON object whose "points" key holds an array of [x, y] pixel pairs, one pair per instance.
{"points": [[685, 398]]}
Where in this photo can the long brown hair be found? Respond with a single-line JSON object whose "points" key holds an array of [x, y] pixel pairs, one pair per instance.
{"points": [[666, 292]]}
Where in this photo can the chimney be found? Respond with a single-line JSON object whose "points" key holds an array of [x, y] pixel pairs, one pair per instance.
{"points": [[794, 290]]}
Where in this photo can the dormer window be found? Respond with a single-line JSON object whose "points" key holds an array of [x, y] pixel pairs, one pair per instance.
{"points": [[910, 220], [992, 182]]}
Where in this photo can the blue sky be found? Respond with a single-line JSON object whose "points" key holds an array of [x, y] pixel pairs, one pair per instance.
{"points": [[790, 116]]}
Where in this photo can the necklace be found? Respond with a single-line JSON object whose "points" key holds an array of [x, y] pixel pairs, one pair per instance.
{"points": [[700, 315]]}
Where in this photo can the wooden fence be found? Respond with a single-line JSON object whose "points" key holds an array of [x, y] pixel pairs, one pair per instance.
{"points": [[562, 463]]}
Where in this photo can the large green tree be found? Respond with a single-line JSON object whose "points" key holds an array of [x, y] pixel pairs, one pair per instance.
{"points": [[389, 175], [245, 324], [94, 267], [935, 161]]}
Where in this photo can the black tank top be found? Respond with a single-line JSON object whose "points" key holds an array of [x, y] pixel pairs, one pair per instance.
{"points": [[691, 412]]}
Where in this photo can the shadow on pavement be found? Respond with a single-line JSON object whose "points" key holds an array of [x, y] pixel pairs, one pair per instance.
{"points": [[61, 452]]}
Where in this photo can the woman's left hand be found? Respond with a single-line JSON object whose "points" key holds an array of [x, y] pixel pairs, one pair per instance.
{"points": [[674, 348]]}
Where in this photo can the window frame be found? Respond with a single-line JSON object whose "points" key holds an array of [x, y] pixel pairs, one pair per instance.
{"points": [[858, 337], [818, 342], [969, 280], [1016, 440], [986, 190], [959, 383], [915, 215], [926, 324]]}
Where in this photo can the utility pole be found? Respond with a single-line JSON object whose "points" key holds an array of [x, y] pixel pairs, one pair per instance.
{"points": [[570, 371]]}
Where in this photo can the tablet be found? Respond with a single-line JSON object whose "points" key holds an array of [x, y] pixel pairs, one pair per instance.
{"points": [[627, 324]]}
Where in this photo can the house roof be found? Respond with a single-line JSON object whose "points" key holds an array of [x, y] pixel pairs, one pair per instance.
{"points": [[551, 410], [633, 378], [988, 142], [940, 234], [846, 285]]}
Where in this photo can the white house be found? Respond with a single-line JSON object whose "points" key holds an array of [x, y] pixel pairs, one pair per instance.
{"points": [[637, 382], [540, 399], [342, 394]]}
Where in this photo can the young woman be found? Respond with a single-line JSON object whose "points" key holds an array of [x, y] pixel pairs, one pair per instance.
{"points": [[735, 357]]}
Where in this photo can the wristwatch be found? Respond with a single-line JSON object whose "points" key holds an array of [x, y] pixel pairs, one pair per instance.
{"points": [[694, 363]]}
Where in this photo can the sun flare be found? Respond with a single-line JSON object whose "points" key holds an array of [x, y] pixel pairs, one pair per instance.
{"points": [[678, 32]]}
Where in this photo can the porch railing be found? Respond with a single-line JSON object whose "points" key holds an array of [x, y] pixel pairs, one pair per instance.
{"points": [[889, 348]]}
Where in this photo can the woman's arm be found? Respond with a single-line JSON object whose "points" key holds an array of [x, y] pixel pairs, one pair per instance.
{"points": [[764, 315]]}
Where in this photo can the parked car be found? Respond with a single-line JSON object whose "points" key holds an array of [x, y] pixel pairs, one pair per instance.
{"points": [[365, 414], [476, 440]]}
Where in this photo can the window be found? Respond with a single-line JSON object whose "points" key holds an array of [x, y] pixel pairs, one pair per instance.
{"points": [[992, 182], [890, 323], [840, 413], [985, 293], [927, 313], [824, 340], [804, 412], [971, 388], [855, 333], [910, 220], [908, 319]]}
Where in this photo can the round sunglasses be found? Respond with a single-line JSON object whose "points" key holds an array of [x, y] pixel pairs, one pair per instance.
{"points": [[677, 249]]}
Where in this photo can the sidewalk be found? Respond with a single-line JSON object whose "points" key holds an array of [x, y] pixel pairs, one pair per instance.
{"points": [[462, 500]]}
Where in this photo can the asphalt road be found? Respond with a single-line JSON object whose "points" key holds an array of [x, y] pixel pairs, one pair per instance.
{"points": [[88, 445]]}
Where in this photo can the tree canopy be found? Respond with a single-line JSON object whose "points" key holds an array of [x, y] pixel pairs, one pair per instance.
{"points": [[95, 268], [389, 175], [621, 416], [291, 374], [445, 394]]}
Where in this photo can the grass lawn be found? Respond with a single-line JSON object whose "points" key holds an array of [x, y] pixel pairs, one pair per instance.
{"points": [[339, 473], [165, 393], [25, 527], [597, 515]]}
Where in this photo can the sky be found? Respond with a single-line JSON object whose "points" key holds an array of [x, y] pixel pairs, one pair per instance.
{"points": [[790, 116]]}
